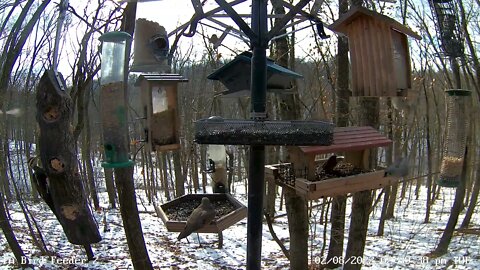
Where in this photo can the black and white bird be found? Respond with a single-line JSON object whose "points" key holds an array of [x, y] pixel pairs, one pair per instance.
{"points": [[399, 168], [40, 180], [201, 216]]}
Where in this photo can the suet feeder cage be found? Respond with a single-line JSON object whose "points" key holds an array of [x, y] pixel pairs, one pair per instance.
{"points": [[159, 103], [113, 101], [355, 142], [379, 53], [229, 211], [235, 75], [151, 47], [455, 138]]}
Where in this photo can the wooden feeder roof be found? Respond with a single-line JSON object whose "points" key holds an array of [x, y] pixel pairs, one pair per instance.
{"points": [[235, 75], [347, 139], [160, 78], [342, 23]]}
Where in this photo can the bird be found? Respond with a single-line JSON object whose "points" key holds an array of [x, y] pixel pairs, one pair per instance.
{"points": [[399, 168], [201, 216], [41, 182], [329, 165]]}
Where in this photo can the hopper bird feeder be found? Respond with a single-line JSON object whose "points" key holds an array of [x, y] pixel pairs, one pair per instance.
{"points": [[356, 143], [455, 139], [159, 103], [228, 211], [235, 75], [113, 101], [379, 53]]}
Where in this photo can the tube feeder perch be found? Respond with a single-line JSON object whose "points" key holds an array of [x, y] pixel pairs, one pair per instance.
{"points": [[379, 53], [159, 102], [235, 75], [456, 136], [113, 102], [355, 143]]}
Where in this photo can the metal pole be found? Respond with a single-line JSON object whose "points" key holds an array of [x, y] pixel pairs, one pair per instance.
{"points": [[257, 152]]}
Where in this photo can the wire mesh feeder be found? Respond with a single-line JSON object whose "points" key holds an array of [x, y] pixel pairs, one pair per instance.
{"points": [[249, 132], [449, 27], [455, 139]]}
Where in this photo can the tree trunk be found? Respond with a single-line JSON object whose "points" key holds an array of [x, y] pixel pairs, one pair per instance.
{"points": [[131, 219], [297, 215], [110, 185], [179, 177], [10, 236]]}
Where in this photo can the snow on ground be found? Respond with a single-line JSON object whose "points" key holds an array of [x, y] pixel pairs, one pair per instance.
{"points": [[406, 241]]}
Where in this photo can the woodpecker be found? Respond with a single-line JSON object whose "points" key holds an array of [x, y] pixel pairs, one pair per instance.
{"points": [[201, 216], [40, 180]]}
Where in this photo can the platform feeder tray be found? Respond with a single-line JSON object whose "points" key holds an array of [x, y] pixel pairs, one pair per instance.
{"points": [[229, 211]]}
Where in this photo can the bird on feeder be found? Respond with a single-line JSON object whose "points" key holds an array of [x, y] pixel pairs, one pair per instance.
{"points": [[41, 182], [398, 169], [329, 165], [201, 216]]}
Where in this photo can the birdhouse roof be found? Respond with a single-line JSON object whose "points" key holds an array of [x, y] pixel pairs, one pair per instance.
{"points": [[342, 23], [160, 78], [245, 58], [350, 139]]}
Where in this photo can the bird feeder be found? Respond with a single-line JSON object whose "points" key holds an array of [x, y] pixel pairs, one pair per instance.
{"points": [[379, 53], [356, 143], [218, 160], [159, 103], [113, 101], [150, 47], [235, 75], [455, 139]]}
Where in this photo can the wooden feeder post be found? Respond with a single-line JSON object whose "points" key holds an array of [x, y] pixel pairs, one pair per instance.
{"points": [[160, 111], [379, 53], [113, 104]]}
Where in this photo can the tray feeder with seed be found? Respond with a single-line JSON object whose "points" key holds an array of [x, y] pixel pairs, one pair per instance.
{"points": [[228, 211], [307, 177]]}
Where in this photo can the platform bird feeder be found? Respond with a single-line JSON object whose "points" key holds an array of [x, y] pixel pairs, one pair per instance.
{"points": [[356, 144], [235, 75], [160, 112], [113, 102], [379, 53], [228, 211], [455, 139]]}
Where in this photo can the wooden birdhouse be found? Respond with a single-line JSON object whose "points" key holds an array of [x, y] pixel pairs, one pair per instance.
{"points": [[379, 53], [159, 103], [235, 75]]}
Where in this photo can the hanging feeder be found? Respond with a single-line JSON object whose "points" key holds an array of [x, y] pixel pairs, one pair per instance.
{"points": [[151, 47], [455, 138], [218, 167], [448, 26], [235, 75], [159, 103], [379, 53], [113, 103]]}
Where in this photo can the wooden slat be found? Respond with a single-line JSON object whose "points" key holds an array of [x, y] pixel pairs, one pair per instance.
{"points": [[383, 56], [355, 64], [345, 185], [367, 30], [373, 29], [364, 83], [350, 139], [392, 83]]}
